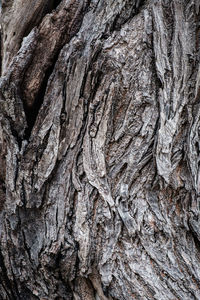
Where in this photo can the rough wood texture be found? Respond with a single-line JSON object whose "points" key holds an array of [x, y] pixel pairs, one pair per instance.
{"points": [[99, 150]]}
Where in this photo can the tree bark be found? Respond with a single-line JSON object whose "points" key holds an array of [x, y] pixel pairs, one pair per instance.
{"points": [[99, 150]]}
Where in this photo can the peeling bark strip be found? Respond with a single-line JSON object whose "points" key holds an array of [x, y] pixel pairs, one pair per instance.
{"points": [[99, 150]]}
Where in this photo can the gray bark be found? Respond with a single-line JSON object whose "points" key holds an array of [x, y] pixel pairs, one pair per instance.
{"points": [[99, 150]]}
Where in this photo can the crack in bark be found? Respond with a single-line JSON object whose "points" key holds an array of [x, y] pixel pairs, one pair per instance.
{"points": [[129, 8], [4, 277]]}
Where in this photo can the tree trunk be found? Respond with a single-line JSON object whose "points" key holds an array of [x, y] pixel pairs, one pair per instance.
{"points": [[100, 150]]}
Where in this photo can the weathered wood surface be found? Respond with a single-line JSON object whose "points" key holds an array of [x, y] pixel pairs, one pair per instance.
{"points": [[99, 150]]}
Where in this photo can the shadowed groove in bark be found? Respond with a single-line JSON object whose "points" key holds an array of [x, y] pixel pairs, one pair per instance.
{"points": [[32, 112], [56, 3], [6, 283], [129, 11], [32, 106], [48, 8]]}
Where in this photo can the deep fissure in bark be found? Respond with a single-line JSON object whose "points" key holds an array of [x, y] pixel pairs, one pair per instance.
{"points": [[6, 283], [32, 112], [129, 11], [56, 3]]}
